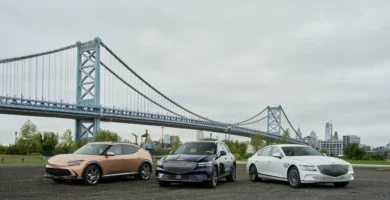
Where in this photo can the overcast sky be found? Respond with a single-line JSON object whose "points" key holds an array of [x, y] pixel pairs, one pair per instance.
{"points": [[322, 61]]}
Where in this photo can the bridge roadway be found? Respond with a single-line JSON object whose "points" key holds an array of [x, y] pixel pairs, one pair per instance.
{"points": [[26, 181], [31, 107]]}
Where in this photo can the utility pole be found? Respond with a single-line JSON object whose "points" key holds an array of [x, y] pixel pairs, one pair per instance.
{"points": [[162, 137], [16, 133]]}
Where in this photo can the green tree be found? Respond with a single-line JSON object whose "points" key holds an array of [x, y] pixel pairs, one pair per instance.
{"points": [[353, 151], [324, 151], [285, 136], [50, 141], [242, 147], [176, 144], [28, 130], [80, 143], [67, 144], [36, 142], [25, 144], [257, 142], [105, 135]]}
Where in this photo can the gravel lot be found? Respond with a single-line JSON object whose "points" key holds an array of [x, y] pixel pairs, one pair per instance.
{"points": [[27, 182]]}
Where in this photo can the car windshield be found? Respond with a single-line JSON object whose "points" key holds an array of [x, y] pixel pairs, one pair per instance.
{"points": [[197, 149], [93, 149], [300, 151]]}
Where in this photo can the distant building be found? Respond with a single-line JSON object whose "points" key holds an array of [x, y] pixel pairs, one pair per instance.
{"points": [[333, 147], [199, 135], [388, 147], [349, 139], [328, 131], [336, 136], [314, 139], [167, 139], [174, 138], [311, 141]]}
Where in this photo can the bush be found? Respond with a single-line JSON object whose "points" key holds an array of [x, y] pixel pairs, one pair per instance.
{"points": [[237, 156], [248, 155], [377, 157]]}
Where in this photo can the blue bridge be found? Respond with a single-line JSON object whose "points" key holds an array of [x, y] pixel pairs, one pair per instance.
{"points": [[89, 83]]}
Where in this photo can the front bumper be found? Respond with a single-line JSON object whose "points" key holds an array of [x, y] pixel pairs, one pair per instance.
{"points": [[66, 173], [198, 175], [321, 178]]}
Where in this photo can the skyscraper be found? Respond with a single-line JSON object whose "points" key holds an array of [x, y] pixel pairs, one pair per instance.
{"points": [[328, 131], [336, 136]]}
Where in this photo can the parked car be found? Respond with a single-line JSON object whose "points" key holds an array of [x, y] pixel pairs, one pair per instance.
{"points": [[298, 164], [97, 160], [205, 161]]}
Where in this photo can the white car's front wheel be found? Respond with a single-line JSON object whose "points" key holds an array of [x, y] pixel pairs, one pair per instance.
{"points": [[293, 177], [253, 174]]}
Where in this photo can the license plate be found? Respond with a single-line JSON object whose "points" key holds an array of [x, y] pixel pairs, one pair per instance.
{"points": [[178, 176]]}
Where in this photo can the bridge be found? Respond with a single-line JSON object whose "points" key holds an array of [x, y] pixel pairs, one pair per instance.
{"points": [[89, 83]]}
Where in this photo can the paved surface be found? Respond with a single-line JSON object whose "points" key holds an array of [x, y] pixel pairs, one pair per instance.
{"points": [[27, 182]]}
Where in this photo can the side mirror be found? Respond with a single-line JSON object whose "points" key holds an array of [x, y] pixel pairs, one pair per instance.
{"points": [[277, 155], [222, 153], [324, 154], [110, 153]]}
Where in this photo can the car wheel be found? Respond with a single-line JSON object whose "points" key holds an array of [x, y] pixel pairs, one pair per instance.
{"points": [[341, 184], [144, 171], [253, 175], [214, 179], [91, 175], [293, 177], [232, 175], [163, 183]]}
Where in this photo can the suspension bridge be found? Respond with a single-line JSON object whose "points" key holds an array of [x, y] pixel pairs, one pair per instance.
{"points": [[89, 83]]}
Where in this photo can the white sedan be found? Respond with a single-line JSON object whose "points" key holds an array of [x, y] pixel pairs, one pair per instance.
{"points": [[298, 164]]}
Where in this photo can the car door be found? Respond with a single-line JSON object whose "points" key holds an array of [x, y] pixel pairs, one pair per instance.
{"points": [[229, 157], [262, 161], [132, 159], [114, 164], [276, 165], [222, 160]]}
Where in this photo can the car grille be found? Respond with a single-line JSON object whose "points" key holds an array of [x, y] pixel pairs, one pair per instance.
{"points": [[333, 170], [179, 167], [58, 172]]}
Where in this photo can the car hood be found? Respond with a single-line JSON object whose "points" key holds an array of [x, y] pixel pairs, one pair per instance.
{"points": [[189, 158], [319, 160], [64, 158]]}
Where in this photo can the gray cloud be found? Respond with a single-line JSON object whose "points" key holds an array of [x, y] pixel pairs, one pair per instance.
{"points": [[321, 61]]}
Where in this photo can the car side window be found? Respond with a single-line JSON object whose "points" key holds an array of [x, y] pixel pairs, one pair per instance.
{"points": [[259, 152], [117, 149], [276, 150], [129, 149], [266, 151]]}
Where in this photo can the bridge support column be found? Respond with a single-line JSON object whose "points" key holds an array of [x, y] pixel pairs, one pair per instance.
{"points": [[88, 88], [274, 120]]}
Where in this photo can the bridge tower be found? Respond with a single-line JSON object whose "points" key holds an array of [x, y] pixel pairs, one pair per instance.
{"points": [[88, 88], [274, 120]]}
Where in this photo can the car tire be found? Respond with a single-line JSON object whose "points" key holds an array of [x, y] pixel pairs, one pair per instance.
{"points": [[91, 175], [340, 184], [232, 175], [163, 183], [145, 171], [253, 174], [293, 177], [214, 179]]}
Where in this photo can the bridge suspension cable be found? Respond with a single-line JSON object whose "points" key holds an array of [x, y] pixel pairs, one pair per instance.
{"points": [[291, 124], [241, 123], [154, 89]]}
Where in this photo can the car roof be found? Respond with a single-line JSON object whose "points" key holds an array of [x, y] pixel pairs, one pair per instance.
{"points": [[288, 145], [110, 142], [202, 142]]}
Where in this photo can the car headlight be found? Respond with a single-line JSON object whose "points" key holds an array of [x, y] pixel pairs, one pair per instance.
{"points": [[350, 168], [160, 162], [205, 164], [308, 167], [74, 162]]}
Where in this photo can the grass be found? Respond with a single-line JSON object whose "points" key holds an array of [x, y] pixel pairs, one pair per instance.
{"points": [[369, 162], [26, 160]]}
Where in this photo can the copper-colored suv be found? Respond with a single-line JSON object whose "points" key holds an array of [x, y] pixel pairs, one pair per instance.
{"points": [[97, 160]]}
